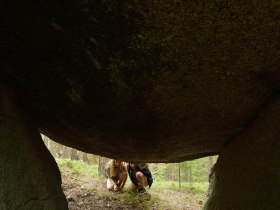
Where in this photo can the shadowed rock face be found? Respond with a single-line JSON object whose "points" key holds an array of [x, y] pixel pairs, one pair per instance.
{"points": [[247, 173], [159, 81]]}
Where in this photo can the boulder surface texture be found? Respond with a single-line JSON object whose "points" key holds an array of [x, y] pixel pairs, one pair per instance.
{"points": [[156, 81]]}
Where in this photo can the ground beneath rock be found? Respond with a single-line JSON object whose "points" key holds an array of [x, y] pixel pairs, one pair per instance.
{"points": [[90, 193]]}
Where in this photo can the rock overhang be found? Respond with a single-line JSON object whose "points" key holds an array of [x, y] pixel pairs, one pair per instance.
{"points": [[136, 82]]}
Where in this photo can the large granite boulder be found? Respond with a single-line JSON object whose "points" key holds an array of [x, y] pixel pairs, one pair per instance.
{"points": [[178, 79]]}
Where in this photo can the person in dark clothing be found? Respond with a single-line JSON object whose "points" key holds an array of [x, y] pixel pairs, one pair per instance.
{"points": [[140, 176]]}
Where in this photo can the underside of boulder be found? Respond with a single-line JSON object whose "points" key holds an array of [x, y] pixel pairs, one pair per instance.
{"points": [[176, 79]]}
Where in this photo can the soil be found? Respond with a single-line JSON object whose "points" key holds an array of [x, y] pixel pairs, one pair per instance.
{"points": [[90, 193]]}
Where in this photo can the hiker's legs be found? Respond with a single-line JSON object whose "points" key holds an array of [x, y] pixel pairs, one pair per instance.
{"points": [[110, 185], [142, 180]]}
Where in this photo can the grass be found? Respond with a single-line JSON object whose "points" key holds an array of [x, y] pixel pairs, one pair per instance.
{"points": [[78, 167], [136, 200], [197, 187]]}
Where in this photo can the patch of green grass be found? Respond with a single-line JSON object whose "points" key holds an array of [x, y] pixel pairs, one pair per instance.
{"points": [[191, 192], [136, 200], [90, 189], [197, 187], [131, 198], [79, 167]]}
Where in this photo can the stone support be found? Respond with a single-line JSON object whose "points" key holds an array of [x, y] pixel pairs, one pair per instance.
{"points": [[247, 173], [29, 176]]}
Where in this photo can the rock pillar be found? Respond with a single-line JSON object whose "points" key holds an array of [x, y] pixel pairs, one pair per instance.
{"points": [[29, 176], [247, 173]]}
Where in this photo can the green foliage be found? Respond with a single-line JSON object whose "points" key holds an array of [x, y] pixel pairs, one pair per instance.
{"points": [[190, 171], [200, 170], [158, 171], [78, 167], [137, 201], [194, 186], [197, 187]]}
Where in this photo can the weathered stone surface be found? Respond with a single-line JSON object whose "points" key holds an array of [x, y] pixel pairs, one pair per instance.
{"points": [[29, 176], [156, 81], [247, 174]]}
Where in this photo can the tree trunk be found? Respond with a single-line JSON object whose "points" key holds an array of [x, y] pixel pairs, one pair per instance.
{"points": [[190, 175], [93, 159], [73, 153], [101, 166], [85, 158], [179, 178]]}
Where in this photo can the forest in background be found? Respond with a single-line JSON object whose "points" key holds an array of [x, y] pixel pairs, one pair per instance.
{"points": [[176, 174]]}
